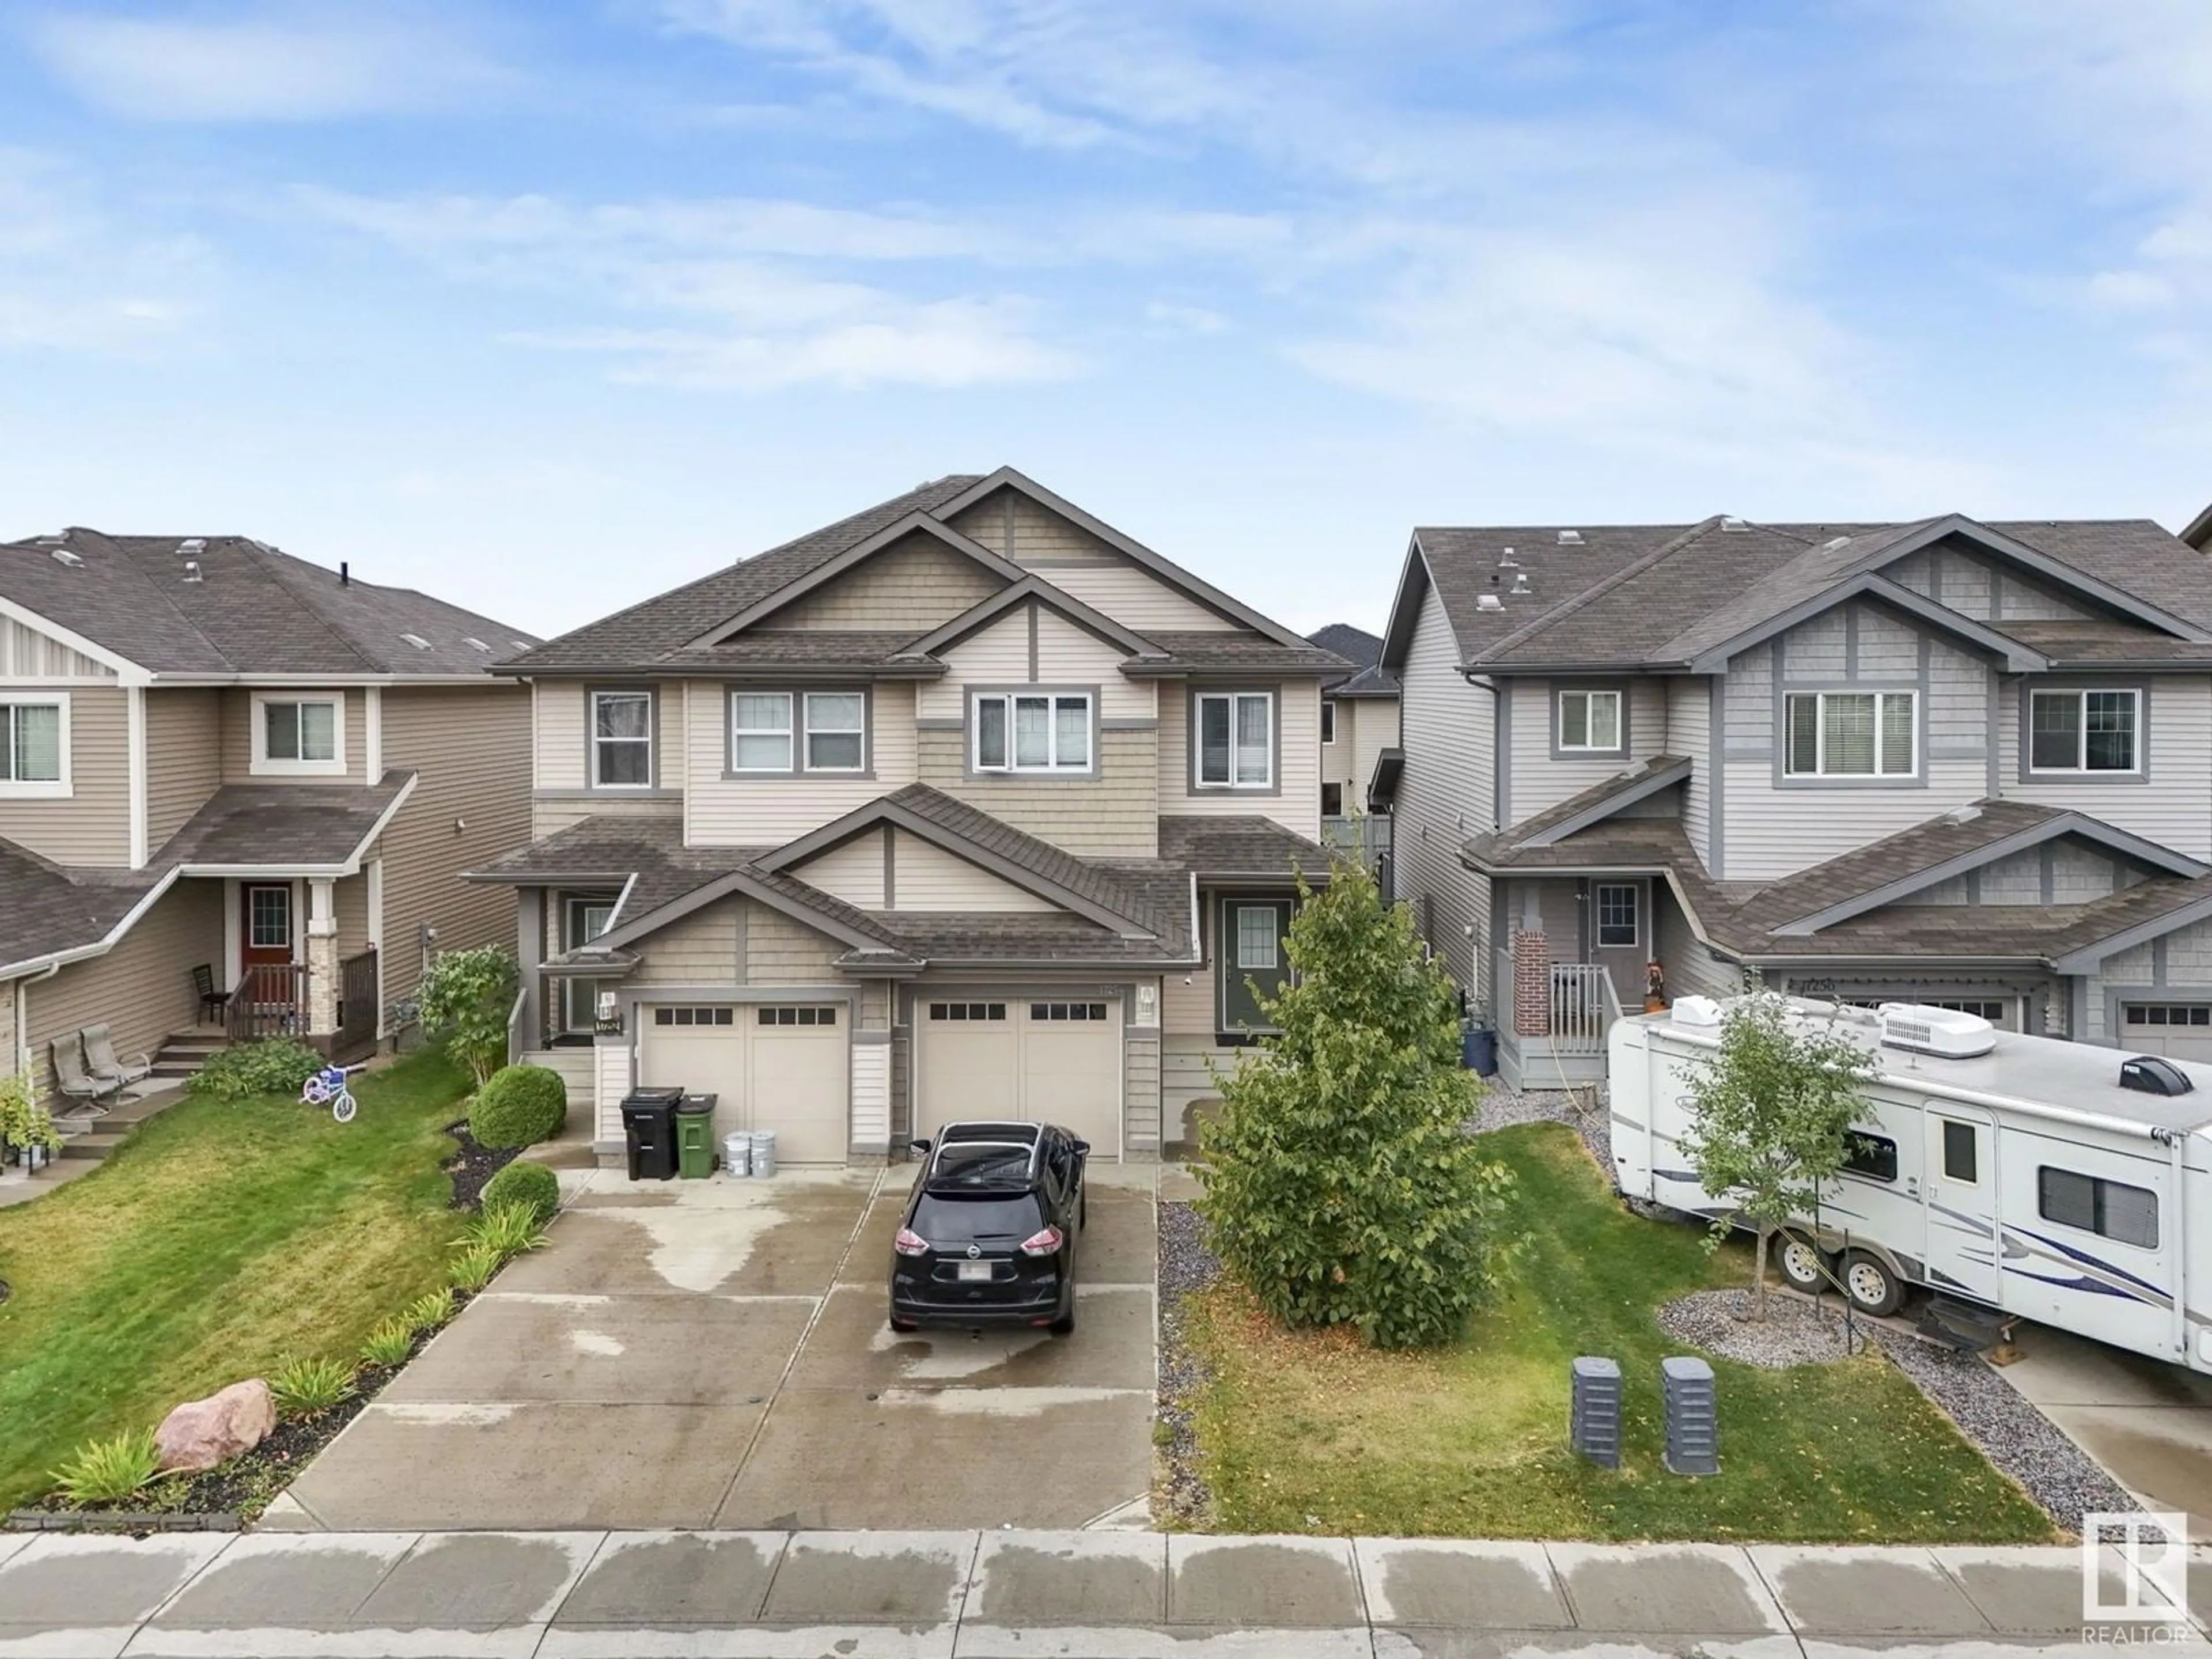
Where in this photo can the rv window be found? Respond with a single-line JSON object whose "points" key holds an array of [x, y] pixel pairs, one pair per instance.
{"points": [[1959, 1163], [2108, 1208], [1872, 1156]]}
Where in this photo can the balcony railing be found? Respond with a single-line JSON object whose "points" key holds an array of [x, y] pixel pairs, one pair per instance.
{"points": [[269, 1000], [1580, 992]]}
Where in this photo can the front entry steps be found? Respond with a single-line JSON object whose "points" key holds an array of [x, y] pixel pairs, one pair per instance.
{"points": [[183, 1053]]}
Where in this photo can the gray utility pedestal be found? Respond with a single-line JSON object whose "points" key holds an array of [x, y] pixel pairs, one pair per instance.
{"points": [[1693, 1444], [1594, 1422]]}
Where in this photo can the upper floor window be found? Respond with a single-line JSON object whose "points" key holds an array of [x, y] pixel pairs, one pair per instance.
{"points": [[1025, 731], [34, 745], [830, 735], [1328, 721], [298, 734], [836, 736], [2083, 731], [1589, 722], [1235, 739], [621, 739], [1852, 734]]}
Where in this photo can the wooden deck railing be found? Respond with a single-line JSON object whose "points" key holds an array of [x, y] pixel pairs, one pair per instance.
{"points": [[270, 1000]]}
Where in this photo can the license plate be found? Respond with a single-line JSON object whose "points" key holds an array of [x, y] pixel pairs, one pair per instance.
{"points": [[975, 1270]]}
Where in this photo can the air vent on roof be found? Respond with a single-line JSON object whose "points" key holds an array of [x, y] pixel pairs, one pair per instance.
{"points": [[474, 644], [1488, 601], [417, 640], [1965, 814], [517, 645], [63, 555], [1733, 523], [1570, 538], [192, 571], [192, 544], [1520, 581], [1835, 542], [1506, 560], [1947, 1032], [2151, 1075]]}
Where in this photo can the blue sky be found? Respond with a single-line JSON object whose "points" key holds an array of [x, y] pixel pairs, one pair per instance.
{"points": [[547, 307]]}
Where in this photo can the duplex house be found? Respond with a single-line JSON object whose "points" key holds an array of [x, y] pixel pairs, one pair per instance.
{"points": [[238, 788], [1359, 740], [968, 804], [1961, 763]]}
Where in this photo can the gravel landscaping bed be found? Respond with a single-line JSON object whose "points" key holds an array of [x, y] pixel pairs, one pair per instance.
{"points": [[1186, 1265], [1502, 1109], [1794, 1331]]}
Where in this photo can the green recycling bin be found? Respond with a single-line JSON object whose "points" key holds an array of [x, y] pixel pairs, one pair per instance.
{"points": [[695, 1137]]}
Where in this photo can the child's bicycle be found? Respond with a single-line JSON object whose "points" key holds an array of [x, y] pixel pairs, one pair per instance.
{"points": [[328, 1087]]}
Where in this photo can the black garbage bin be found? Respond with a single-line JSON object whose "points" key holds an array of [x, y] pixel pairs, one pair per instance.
{"points": [[649, 1130]]}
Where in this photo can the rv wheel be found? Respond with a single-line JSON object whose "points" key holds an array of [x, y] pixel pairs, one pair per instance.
{"points": [[1801, 1265], [1869, 1282]]}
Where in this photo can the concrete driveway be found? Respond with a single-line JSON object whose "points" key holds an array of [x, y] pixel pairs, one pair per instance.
{"points": [[715, 1354]]}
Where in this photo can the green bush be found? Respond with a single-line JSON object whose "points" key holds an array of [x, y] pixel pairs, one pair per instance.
{"points": [[473, 1267], [277, 1065], [529, 1186], [389, 1343], [102, 1471], [505, 1229], [465, 1000], [429, 1311], [519, 1106], [304, 1387]]}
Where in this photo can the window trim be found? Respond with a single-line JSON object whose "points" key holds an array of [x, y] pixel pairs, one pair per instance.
{"points": [[1598, 890], [262, 764], [60, 788], [1220, 956], [2098, 1184], [1195, 714], [796, 732], [971, 733], [1917, 778], [592, 740], [787, 731], [1561, 690], [2080, 688]]}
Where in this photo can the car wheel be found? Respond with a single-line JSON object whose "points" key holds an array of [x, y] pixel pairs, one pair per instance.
{"points": [[1082, 1211], [1873, 1287], [1801, 1264], [1065, 1323], [898, 1324]]}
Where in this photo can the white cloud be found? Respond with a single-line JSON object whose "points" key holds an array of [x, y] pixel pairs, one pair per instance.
{"points": [[76, 275]]}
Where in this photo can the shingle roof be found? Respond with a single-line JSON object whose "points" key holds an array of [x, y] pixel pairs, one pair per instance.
{"points": [[44, 908], [253, 610], [1210, 846], [283, 825], [1236, 654], [1356, 645]]}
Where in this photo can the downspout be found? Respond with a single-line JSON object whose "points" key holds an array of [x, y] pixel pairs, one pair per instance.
{"points": [[23, 1016]]}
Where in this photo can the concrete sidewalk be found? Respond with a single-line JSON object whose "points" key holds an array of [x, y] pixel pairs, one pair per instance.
{"points": [[761, 1595]]}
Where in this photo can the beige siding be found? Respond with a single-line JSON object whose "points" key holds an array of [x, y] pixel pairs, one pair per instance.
{"points": [[1296, 805], [1366, 727], [91, 825], [26, 653], [928, 879], [997, 655], [1187, 1002], [551, 815], [238, 738], [557, 714], [143, 988], [700, 949], [1140, 1092], [1115, 814], [1445, 797], [470, 749], [769, 811], [1135, 597], [1015, 527], [916, 583], [853, 871], [350, 899], [781, 951], [184, 758], [1068, 656]]}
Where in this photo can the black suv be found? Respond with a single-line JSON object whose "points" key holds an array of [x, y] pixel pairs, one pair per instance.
{"points": [[989, 1235]]}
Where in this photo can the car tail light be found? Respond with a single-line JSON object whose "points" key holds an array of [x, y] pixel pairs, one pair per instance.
{"points": [[1043, 1243], [911, 1243]]}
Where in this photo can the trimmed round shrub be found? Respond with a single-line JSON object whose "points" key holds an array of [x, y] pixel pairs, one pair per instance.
{"points": [[530, 1187], [520, 1106]]}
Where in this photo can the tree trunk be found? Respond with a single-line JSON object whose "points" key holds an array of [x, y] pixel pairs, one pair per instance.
{"points": [[1759, 1275]]}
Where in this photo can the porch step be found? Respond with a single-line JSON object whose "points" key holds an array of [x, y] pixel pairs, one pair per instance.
{"points": [[1966, 1326], [183, 1053], [95, 1144]]}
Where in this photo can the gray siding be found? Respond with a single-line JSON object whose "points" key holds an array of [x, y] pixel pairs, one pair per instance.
{"points": [[1689, 966], [1689, 734], [1445, 797], [1535, 780], [2171, 803]]}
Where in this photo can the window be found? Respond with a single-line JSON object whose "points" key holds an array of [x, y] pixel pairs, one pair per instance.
{"points": [[1056, 1012], [621, 739], [969, 1010], [298, 734], [268, 918], [1873, 1157], [1617, 922], [1328, 722], [1852, 734], [35, 746], [1040, 732], [1332, 800], [1962, 1152], [835, 740], [1235, 739], [2107, 1208], [1256, 937], [797, 1016], [694, 1017], [760, 731], [1590, 720], [2167, 1014], [763, 743], [2082, 731]]}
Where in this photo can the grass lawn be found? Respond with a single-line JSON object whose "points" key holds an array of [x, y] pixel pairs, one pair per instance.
{"points": [[1314, 1433], [221, 1239]]}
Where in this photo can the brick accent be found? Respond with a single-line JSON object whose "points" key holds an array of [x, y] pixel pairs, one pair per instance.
{"points": [[1532, 984]]}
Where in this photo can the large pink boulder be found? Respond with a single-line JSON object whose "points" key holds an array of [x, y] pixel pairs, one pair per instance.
{"points": [[201, 1433]]}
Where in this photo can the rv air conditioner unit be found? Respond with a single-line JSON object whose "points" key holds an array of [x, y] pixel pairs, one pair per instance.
{"points": [[1941, 1032], [2148, 1074]]}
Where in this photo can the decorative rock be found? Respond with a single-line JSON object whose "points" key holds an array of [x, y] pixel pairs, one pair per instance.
{"points": [[201, 1433]]}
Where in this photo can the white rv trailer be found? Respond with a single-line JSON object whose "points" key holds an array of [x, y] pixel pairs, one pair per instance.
{"points": [[2013, 1171]]}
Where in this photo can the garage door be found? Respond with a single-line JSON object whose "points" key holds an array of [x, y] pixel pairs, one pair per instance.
{"points": [[1056, 1060], [2181, 1030], [780, 1066]]}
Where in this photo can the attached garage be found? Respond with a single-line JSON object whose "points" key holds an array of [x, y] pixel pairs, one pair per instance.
{"points": [[776, 1066], [1047, 1060], [2180, 1031]]}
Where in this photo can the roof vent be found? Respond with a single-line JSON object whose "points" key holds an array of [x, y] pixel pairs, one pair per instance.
{"points": [[517, 645], [192, 544], [1944, 1032], [192, 571], [1730, 522], [1965, 814], [1520, 581], [1506, 560], [1488, 601], [476, 644], [63, 555], [2150, 1074], [417, 640], [1835, 542], [1570, 538]]}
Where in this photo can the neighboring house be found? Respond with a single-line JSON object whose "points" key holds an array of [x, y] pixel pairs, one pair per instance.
{"points": [[2198, 535], [1946, 762], [967, 806], [1359, 730], [215, 756]]}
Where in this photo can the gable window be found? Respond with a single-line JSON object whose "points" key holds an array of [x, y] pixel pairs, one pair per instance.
{"points": [[1032, 731], [35, 746], [1618, 920], [298, 734], [1852, 734], [1589, 722], [621, 739], [836, 737], [760, 731], [1235, 739], [2083, 731], [1328, 721]]}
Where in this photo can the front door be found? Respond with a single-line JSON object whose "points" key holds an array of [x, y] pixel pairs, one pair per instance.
{"points": [[587, 919], [265, 924], [1962, 1202], [1251, 953]]}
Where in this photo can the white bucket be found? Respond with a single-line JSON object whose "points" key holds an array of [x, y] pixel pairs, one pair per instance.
{"points": [[763, 1151], [737, 1154]]}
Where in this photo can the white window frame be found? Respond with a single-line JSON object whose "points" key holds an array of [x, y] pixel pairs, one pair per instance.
{"points": [[593, 739], [265, 765], [1820, 772], [2081, 768], [1235, 779], [1011, 764], [1328, 722], [1589, 694], [787, 732], [1635, 891], [860, 730], [57, 789]]}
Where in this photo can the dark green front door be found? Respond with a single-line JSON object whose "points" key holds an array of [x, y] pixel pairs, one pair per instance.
{"points": [[1249, 951]]}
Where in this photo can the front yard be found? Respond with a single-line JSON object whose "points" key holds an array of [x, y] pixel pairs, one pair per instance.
{"points": [[221, 1240], [1313, 1432]]}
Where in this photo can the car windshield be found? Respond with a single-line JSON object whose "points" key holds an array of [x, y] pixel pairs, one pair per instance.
{"points": [[981, 1163], [965, 1220]]}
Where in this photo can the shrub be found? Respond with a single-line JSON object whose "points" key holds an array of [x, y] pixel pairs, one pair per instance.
{"points": [[24, 1121], [464, 1000], [519, 1106], [277, 1065], [102, 1471], [429, 1311], [530, 1186], [473, 1267], [505, 1229], [304, 1387], [389, 1343]]}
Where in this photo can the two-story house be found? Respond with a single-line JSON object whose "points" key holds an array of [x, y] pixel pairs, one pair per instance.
{"points": [[238, 788], [967, 806], [1359, 730], [1947, 761]]}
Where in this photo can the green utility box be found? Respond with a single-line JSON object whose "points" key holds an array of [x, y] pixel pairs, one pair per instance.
{"points": [[695, 1137]]}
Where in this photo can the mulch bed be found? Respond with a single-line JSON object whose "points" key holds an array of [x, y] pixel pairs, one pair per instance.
{"points": [[472, 1166]]}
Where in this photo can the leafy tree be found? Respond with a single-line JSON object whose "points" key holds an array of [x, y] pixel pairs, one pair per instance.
{"points": [[1770, 1113], [465, 999], [1341, 1187]]}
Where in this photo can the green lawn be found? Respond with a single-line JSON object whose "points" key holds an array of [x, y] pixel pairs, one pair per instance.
{"points": [[221, 1239], [1314, 1433]]}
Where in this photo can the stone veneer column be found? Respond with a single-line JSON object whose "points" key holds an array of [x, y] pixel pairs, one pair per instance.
{"points": [[322, 960]]}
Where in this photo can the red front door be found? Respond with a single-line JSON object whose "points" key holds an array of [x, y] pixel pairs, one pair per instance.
{"points": [[265, 924]]}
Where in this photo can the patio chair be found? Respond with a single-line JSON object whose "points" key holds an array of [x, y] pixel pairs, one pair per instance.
{"points": [[100, 1058], [75, 1082], [212, 1001]]}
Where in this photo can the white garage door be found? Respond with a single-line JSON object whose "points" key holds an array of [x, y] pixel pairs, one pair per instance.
{"points": [[1046, 1061], [780, 1066], [2181, 1030]]}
